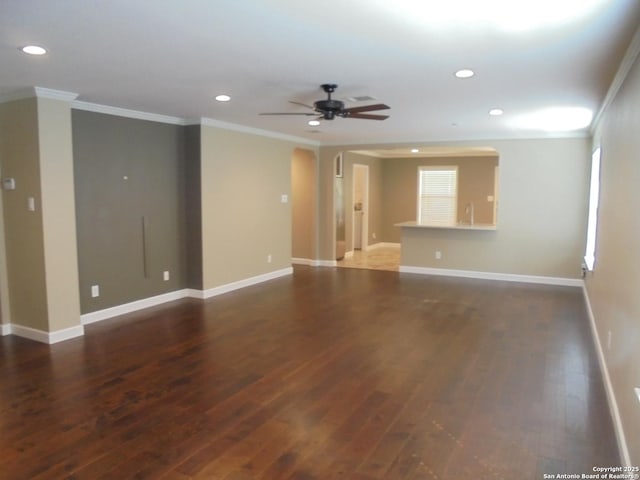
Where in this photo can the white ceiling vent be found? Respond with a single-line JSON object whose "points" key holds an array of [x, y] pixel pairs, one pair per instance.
{"points": [[361, 98]]}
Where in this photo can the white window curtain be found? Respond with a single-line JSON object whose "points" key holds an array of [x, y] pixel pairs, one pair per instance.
{"points": [[437, 195]]}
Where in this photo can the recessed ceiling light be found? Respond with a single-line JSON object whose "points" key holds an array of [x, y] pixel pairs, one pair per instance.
{"points": [[223, 98], [496, 112], [414, 150], [34, 50], [465, 73], [314, 123]]}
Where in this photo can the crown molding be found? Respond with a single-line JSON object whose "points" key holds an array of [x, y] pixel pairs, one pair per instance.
{"points": [[154, 117], [42, 92], [209, 122], [456, 141], [125, 112], [628, 60], [39, 92]]}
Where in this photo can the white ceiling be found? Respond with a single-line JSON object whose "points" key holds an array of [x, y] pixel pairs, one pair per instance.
{"points": [[172, 57]]}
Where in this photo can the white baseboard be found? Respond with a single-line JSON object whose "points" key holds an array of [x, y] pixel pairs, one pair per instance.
{"points": [[131, 307], [327, 263], [47, 337], [106, 313], [611, 397], [229, 287], [305, 261], [383, 245], [5, 329], [192, 293], [507, 277]]}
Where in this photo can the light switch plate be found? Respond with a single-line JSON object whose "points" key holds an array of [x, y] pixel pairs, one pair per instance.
{"points": [[9, 183]]}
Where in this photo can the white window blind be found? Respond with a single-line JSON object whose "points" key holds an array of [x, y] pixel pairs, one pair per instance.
{"points": [[437, 195]]}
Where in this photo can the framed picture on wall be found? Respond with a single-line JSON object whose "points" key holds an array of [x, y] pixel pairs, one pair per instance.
{"points": [[339, 165]]}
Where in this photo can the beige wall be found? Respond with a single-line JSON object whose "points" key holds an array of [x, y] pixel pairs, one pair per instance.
{"points": [[614, 285], [41, 258], [243, 219], [58, 213], [304, 181], [541, 214], [23, 230]]}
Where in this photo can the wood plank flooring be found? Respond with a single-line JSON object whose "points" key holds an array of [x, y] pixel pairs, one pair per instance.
{"points": [[327, 374]]}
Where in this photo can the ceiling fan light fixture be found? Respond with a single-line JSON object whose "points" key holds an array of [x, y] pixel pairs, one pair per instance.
{"points": [[313, 123]]}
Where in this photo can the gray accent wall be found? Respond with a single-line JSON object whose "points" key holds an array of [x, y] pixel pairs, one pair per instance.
{"points": [[130, 183], [193, 196]]}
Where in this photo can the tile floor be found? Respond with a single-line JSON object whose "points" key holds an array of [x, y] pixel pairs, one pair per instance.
{"points": [[379, 258]]}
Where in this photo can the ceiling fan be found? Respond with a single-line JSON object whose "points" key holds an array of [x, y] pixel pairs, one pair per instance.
{"points": [[329, 109]]}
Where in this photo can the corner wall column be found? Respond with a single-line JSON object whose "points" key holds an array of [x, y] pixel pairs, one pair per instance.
{"points": [[39, 217]]}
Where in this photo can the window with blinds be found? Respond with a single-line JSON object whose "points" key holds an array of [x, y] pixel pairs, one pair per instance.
{"points": [[437, 195]]}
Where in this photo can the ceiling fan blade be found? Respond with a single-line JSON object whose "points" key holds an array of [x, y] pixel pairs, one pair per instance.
{"points": [[367, 108], [305, 114], [302, 104], [365, 116]]}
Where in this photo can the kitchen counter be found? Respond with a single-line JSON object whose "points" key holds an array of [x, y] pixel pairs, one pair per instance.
{"points": [[460, 226]]}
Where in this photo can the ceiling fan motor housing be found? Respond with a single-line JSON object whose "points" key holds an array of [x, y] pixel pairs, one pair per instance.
{"points": [[329, 108]]}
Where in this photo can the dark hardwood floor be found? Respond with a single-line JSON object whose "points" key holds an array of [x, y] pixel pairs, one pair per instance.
{"points": [[328, 374]]}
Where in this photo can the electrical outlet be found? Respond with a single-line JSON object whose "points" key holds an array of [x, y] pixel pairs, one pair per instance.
{"points": [[95, 291], [438, 255], [609, 340], [166, 275], [269, 258]]}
